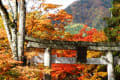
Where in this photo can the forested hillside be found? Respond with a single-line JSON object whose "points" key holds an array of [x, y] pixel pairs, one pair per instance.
{"points": [[90, 12]]}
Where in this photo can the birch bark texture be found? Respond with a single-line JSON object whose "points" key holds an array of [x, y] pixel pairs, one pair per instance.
{"points": [[21, 33], [10, 28], [16, 42]]}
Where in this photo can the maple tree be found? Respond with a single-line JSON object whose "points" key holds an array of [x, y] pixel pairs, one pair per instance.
{"points": [[64, 71], [43, 28], [47, 26]]}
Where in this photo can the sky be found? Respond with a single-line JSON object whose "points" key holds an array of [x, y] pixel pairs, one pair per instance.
{"points": [[64, 3]]}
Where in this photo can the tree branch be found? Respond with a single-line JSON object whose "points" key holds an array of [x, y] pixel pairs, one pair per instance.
{"points": [[6, 20], [11, 11], [15, 10]]}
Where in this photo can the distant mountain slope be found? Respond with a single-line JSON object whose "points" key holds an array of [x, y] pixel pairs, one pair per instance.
{"points": [[90, 12]]}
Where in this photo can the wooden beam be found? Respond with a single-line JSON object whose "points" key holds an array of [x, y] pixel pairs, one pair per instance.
{"points": [[53, 46], [63, 60], [47, 57], [75, 43], [110, 66], [81, 54], [47, 62], [72, 60], [117, 60], [103, 48], [74, 47]]}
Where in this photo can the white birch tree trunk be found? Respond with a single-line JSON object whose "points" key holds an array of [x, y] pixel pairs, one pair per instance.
{"points": [[14, 28], [11, 28], [21, 33], [16, 41]]}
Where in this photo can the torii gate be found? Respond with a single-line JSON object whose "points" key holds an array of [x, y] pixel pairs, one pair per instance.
{"points": [[81, 48]]}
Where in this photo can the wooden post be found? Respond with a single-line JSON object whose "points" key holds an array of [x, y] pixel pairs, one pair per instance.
{"points": [[47, 62], [110, 66], [81, 54]]}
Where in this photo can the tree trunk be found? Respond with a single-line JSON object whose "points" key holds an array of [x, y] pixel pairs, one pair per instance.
{"points": [[14, 28], [7, 23], [14, 40], [11, 29], [21, 33]]}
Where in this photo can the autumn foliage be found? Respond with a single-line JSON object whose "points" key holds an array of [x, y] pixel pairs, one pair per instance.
{"points": [[62, 71], [42, 29], [48, 26], [7, 67], [51, 26]]}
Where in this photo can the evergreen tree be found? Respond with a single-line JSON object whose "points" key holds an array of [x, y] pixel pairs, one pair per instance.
{"points": [[112, 29]]}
